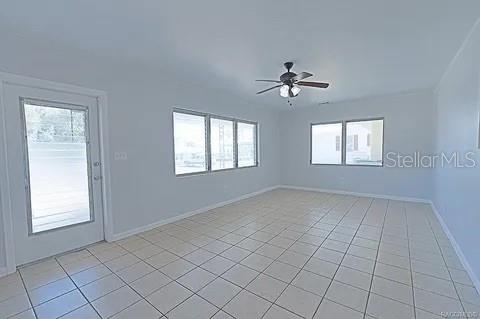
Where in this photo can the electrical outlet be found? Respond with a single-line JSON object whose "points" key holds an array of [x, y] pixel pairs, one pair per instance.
{"points": [[120, 156]]}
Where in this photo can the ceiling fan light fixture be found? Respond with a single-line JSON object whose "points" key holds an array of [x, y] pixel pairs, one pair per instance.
{"points": [[284, 90], [290, 83], [296, 90]]}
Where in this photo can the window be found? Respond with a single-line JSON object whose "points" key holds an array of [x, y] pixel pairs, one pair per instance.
{"points": [[205, 143], [221, 144], [57, 161], [247, 144], [362, 145], [366, 147], [325, 140], [190, 143]]}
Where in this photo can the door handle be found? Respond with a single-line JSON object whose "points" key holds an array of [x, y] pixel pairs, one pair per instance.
{"points": [[97, 178]]}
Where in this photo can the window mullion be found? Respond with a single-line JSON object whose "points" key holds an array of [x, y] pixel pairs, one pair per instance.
{"points": [[235, 144], [208, 149], [344, 143], [256, 144]]}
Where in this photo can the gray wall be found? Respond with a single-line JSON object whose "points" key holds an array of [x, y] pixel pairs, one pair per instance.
{"points": [[456, 191], [144, 188], [408, 127], [2, 238]]}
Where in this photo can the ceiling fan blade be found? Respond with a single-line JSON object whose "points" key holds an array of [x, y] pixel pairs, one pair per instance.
{"points": [[271, 81], [301, 76], [266, 90], [313, 84]]}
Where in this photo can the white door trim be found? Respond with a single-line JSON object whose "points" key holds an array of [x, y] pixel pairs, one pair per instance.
{"points": [[5, 199]]}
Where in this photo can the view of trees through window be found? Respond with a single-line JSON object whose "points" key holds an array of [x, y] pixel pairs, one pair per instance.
{"points": [[58, 166], [50, 124]]}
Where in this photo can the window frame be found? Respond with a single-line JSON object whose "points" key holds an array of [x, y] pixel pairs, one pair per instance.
{"points": [[343, 139], [207, 142], [383, 140], [255, 140], [342, 142], [208, 151], [234, 128]]}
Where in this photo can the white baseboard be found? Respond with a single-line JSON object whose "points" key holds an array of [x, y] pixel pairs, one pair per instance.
{"points": [[458, 250], [341, 192], [187, 214]]}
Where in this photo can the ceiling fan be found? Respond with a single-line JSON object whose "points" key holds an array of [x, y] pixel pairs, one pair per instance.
{"points": [[290, 82]]}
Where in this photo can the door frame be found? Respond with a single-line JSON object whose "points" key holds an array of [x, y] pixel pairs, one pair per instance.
{"points": [[5, 199]]}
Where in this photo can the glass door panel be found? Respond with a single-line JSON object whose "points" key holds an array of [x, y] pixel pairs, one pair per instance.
{"points": [[57, 154]]}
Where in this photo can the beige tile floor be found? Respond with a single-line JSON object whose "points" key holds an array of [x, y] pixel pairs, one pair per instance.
{"points": [[283, 254]]}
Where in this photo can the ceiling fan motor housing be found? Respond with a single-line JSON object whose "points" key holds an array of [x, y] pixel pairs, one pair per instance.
{"points": [[287, 77]]}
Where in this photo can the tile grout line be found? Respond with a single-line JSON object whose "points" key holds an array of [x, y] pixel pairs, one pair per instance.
{"points": [[347, 267], [338, 266], [126, 285], [113, 273], [215, 255], [404, 208], [77, 288], [276, 259], [55, 258], [62, 294], [259, 272], [277, 235], [132, 252], [239, 223], [343, 257], [376, 257], [52, 282], [311, 256], [446, 267], [199, 266], [28, 296], [158, 269]]}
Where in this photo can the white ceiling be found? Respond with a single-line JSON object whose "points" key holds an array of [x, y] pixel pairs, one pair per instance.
{"points": [[362, 47]]}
